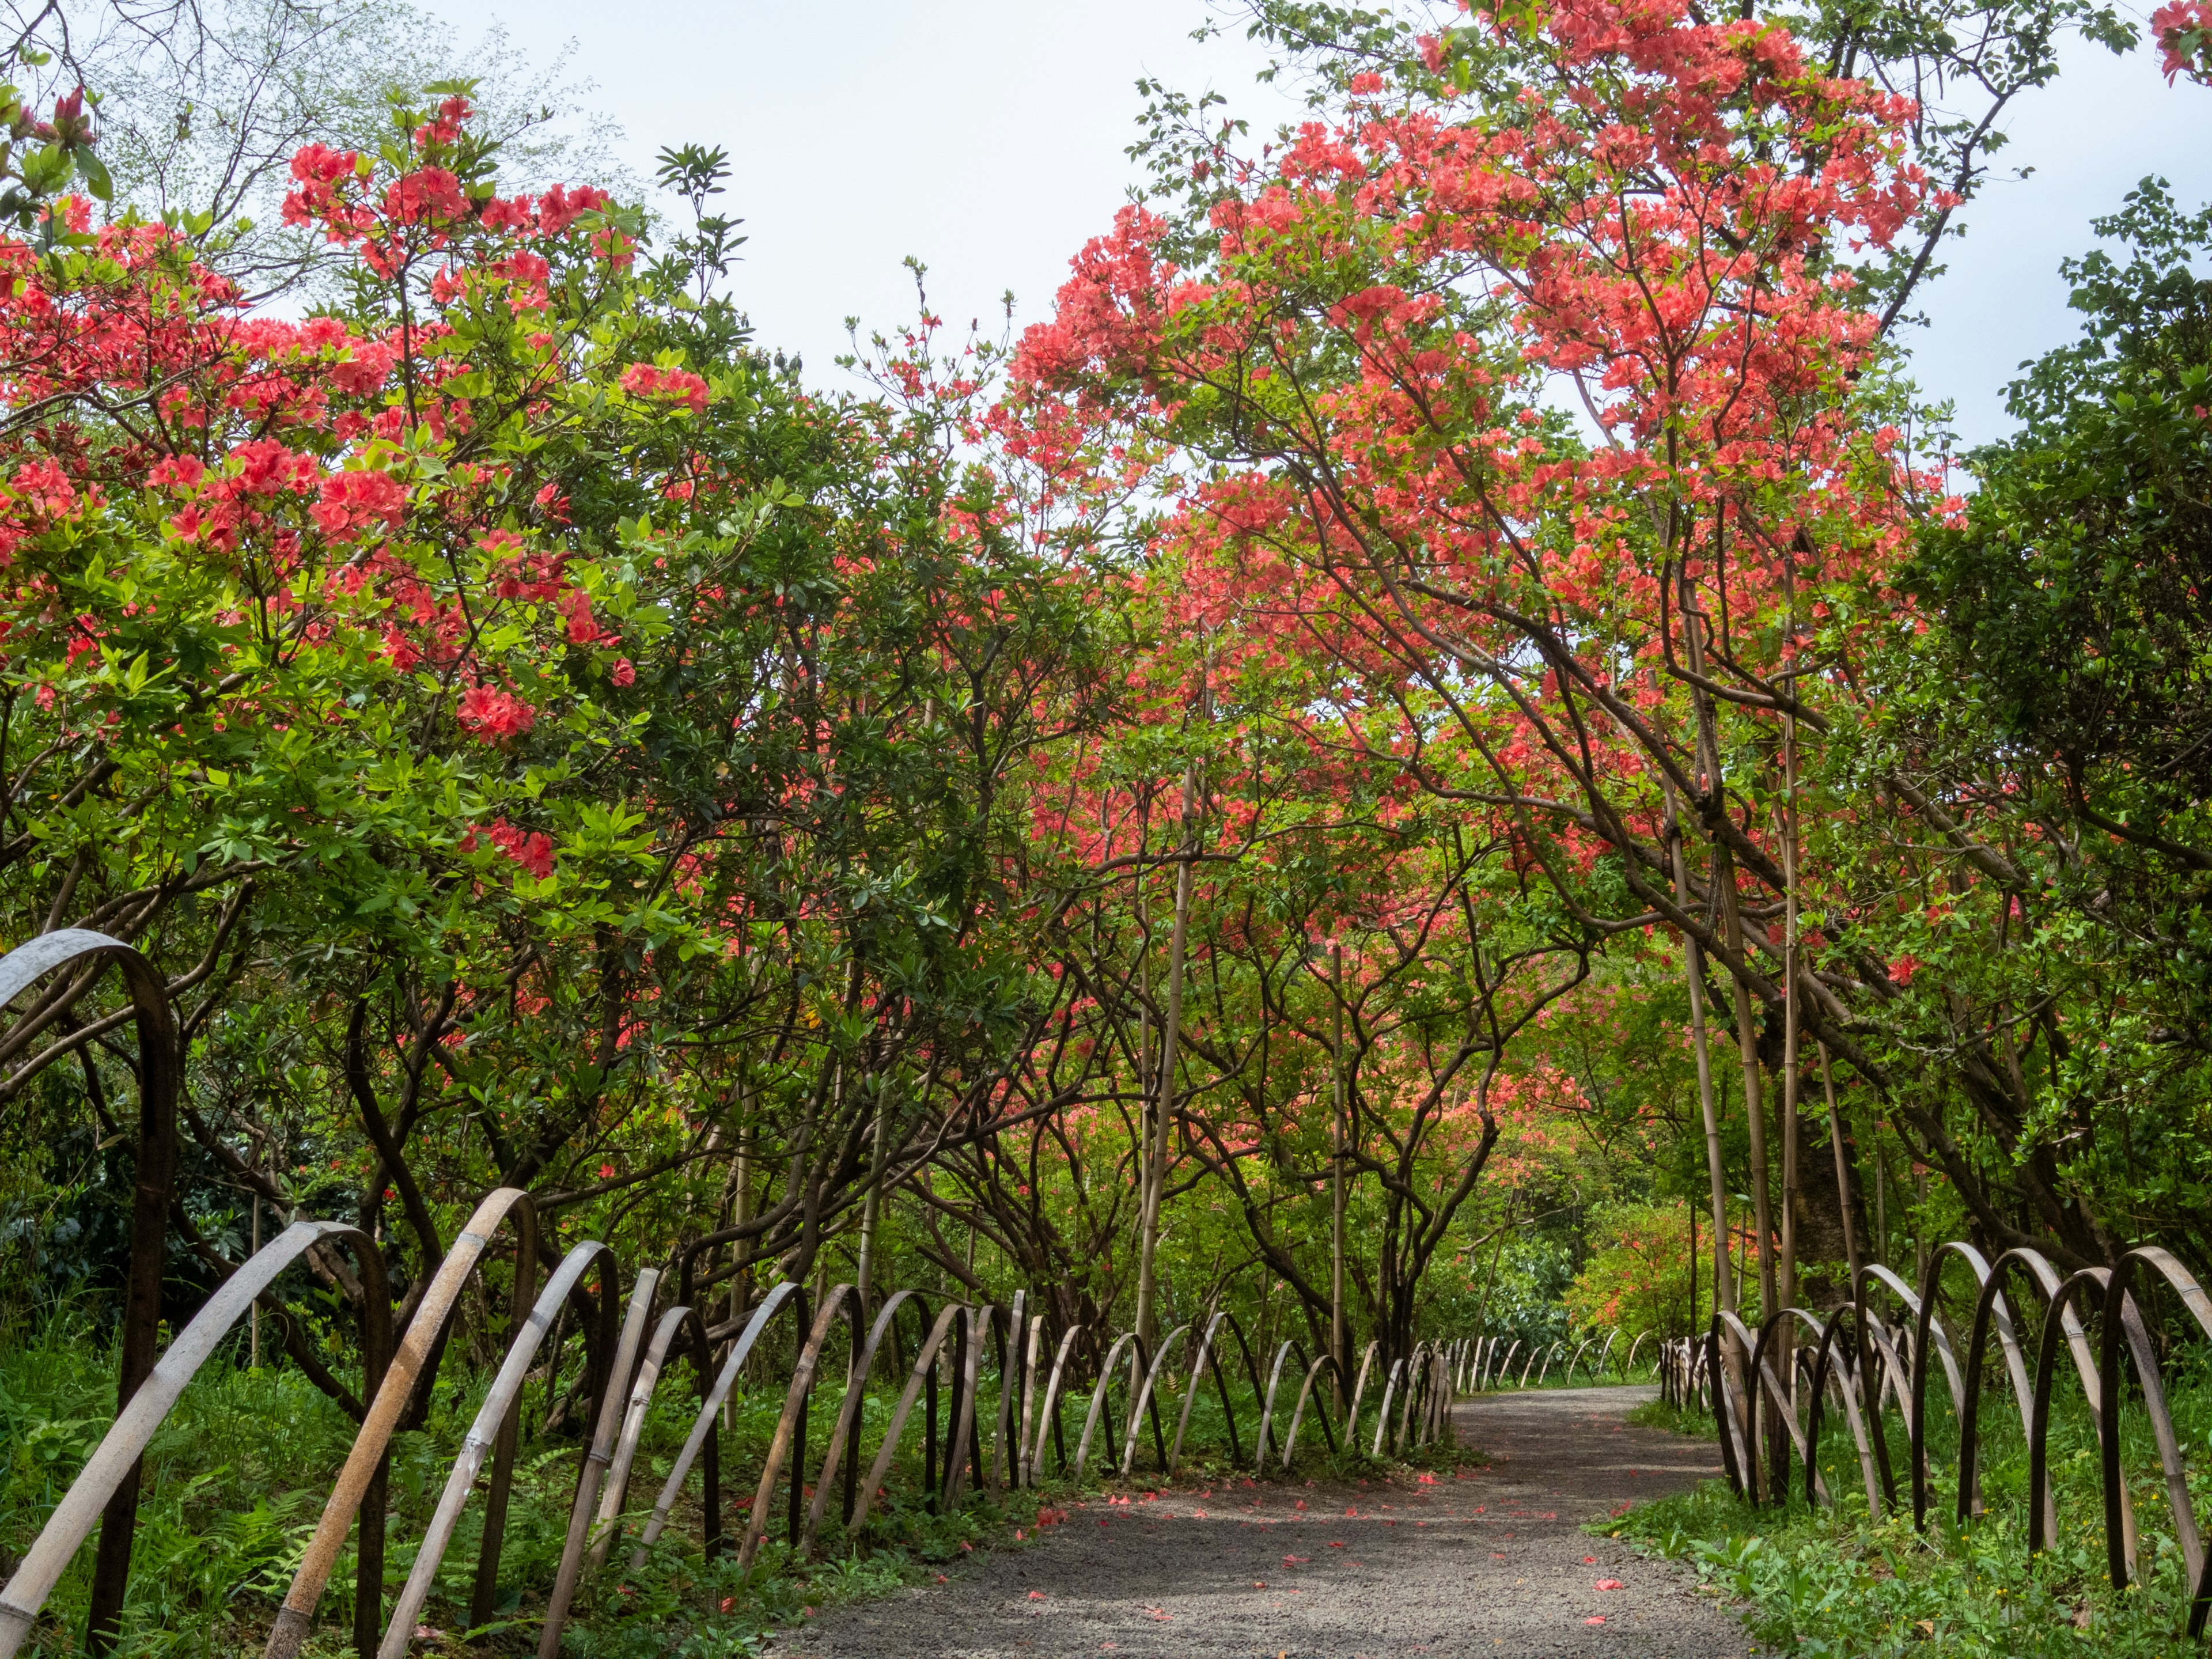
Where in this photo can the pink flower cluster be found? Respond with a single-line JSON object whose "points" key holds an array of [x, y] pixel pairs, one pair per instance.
{"points": [[2183, 30], [352, 501], [493, 714], [671, 385], [532, 849]]}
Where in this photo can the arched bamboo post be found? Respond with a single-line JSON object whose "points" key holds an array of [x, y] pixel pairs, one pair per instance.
{"points": [[160, 1069], [360, 1487], [1134, 1346], [1825, 1364], [607, 1425], [1382, 1415], [505, 1390], [640, 1396], [1205, 1353], [120, 1448], [1050, 1411], [702, 1426], [1320, 1411], [1144, 1399], [923, 1372], [790, 1427], [847, 1425], [1358, 1388]]}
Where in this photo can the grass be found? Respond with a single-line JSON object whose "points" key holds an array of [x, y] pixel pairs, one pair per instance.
{"points": [[236, 1478], [1838, 1583]]}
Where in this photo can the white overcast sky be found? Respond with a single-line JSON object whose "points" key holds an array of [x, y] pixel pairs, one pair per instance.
{"points": [[987, 137]]}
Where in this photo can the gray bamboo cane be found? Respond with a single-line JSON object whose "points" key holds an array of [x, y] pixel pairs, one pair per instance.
{"points": [[290, 1631], [963, 1404], [640, 1396], [847, 1427], [120, 1448], [1137, 1411], [1028, 1396], [1359, 1389], [786, 1425], [1045, 1417], [1190, 1395], [1267, 1410], [160, 1070], [595, 1465], [1291, 1440], [932, 1347], [703, 1424], [1098, 1396], [477, 1445], [1010, 1367], [1382, 1416]]}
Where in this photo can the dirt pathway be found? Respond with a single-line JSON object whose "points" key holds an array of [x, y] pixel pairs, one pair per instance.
{"points": [[1491, 1563]]}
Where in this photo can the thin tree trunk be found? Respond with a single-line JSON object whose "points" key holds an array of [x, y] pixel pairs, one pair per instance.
{"points": [[1164, 1096], [1790, 1183], [1716, 1164], [1843, 1166], [1336, 1331], [1747, 1037]]}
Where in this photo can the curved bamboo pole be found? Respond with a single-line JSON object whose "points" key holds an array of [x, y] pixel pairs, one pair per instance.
{"points": [[1416, 1385], [1204, 1352], [847, 1426], [1128, 1342], [1049, 1412], [1989, 1308], [1222, 1387], [159, 1076], [1029, 1423], [633, 1429], [1534, 1355], [1827, 1364], [1382, 1416], [702, 1426], [924, 1361], [1007, 1343], [1267, 1410], [1928, 1328], [1144, 1399], [2129, 1324], [608, 1425], [788, 1425], [1320, 1411], [1359, 1388], [360, 1487], [505, 1391], [2183, 1284], [120, 1448]]}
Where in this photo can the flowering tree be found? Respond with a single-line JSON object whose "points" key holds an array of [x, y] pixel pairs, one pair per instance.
{"points": [[1540, 392], [521, 721], [1587, 639]]}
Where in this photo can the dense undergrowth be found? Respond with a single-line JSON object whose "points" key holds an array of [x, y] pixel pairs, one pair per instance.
{"points": [[1837, 1582], [237, 1475]]}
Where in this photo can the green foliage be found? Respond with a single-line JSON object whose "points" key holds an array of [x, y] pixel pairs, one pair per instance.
{"points": [[1834, 1583], [2062, 702], [1640, 1275]]}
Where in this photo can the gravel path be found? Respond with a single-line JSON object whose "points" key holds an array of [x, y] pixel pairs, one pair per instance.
{"points": [[1491, 1563]]}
